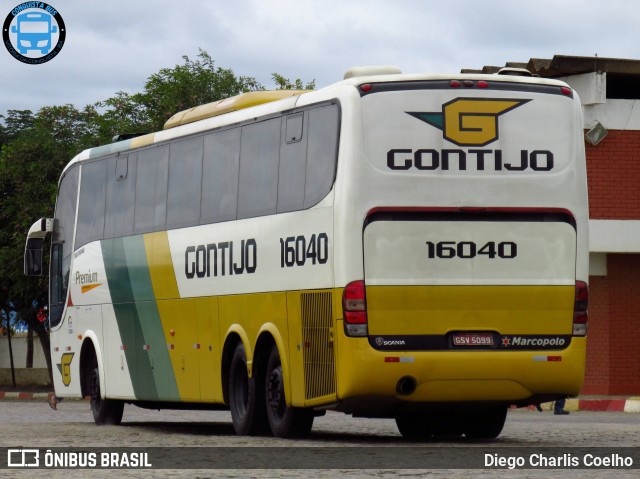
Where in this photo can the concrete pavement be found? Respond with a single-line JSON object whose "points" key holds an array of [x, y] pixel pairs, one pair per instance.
{"points": [[582, 403]]}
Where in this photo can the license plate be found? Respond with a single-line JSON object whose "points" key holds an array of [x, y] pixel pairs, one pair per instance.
{"points": [[472, 339]]}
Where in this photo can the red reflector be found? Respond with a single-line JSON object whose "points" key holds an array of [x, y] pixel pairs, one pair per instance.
{"points": [[367, 87], [353, 293], [455, 84], [355, 317], [582, 296], [580, 309], [566, 90], [483, 84], [580, 318], [389, 359], [554, 358]]}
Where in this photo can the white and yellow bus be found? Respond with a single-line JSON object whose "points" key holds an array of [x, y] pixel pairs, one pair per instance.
{"points": [[404, 246]]}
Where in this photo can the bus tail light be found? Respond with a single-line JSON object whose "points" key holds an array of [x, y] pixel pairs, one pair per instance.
{"points": [[580, 309], [354, 306]]}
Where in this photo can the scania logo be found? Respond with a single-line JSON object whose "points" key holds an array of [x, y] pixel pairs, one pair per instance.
{"points": [[470, 121], [389, 342]]}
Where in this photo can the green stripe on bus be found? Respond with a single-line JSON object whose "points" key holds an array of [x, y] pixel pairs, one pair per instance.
{"points": [[138, 319]]}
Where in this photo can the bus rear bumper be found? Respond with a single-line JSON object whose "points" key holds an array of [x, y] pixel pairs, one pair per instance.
{"points": [[370, 382]]}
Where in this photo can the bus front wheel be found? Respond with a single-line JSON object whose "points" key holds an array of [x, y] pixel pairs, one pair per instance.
{"points": [[285, 421], [105, 411]]}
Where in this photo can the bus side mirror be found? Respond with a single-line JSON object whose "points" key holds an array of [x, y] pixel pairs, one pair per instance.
{"points": [[35, 243], [54, 29], [33, 257], [14, 29]]}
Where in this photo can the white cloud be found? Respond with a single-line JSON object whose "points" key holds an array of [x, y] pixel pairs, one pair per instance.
{"points": [[116, 45]]}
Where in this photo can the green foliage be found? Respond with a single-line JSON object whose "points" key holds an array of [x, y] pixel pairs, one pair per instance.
{"points": [[283, 83], [34, 148], [172, 90]]}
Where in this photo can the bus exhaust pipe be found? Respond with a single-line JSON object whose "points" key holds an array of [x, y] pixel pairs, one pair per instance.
{"points": [[406, 385]]}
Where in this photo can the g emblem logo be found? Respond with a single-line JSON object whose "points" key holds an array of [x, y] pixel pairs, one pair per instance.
{"points": [[469, 121], [65, 368]]}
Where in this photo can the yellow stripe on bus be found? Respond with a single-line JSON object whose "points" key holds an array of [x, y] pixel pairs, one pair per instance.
{"points": [[178, 317], [142, 140], [163, 277]]}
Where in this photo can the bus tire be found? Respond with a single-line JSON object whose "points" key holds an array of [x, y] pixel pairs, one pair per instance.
{"points": [[415, 427], [105, 411], [486, 423], [285, 421], [242, 394]]}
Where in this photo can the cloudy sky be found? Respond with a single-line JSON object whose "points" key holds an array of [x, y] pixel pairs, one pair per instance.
{"points": [[115, 45]]}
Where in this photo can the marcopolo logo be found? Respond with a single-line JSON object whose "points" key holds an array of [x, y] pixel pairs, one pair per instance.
{"points": [[34, 32], [535, 342], [469, 121]]}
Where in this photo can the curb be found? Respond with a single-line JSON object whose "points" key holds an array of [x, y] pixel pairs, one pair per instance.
{"points": [[25, 396], [600, 404]]}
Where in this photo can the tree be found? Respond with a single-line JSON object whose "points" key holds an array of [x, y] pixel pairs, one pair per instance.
{"points": [[172, 90], [283, 83]]}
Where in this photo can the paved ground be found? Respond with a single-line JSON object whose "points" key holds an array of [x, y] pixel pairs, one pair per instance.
{"points": [[34, 424], [584, 403]]}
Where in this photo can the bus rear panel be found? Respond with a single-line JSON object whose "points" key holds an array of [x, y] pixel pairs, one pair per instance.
{"points": [[472, 199]]}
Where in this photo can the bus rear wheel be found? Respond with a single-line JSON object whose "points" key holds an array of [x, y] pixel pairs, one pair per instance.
{"points": [[105, 411], [285, 421], [486, 423], [245, 401], [415, 427], [425, 426]]}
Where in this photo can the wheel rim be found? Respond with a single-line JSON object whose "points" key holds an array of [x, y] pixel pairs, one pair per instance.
{"points": [[275, 392]]}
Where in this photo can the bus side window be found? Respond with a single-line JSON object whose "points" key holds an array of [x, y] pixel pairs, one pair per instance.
{"points": [[151, 190], [185, 177], [221, 164], [322, 153], [92, 202], [120, 197], [259, 159], [293, 164]]}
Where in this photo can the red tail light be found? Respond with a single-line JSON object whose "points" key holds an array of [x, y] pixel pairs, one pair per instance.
{"points": [[580, 309], [566, 91], [354, 306]]}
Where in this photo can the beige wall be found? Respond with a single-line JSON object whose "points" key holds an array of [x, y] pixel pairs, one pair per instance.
{"points": [[19, 345]]}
